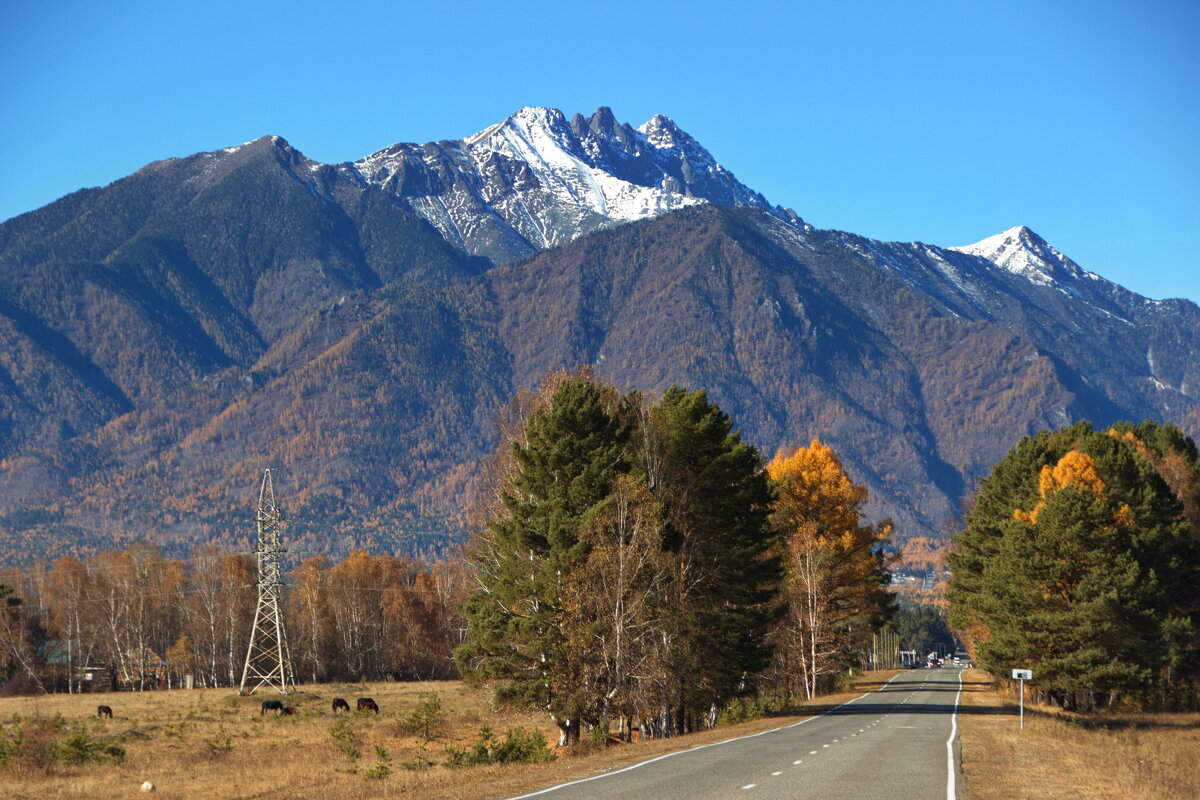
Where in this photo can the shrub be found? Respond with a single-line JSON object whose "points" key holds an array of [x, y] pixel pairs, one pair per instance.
{"points": [[39, 744], [521, 746], [344, 738], [478, 753], [35, 743], [420, 763], [382, 767], [10, 746], [844, 681], [78, 747], [219, 744], [426, 718], [518, 746], [744, 709], [596, 739]]}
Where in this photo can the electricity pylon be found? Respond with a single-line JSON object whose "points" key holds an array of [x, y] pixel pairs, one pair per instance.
{"points": [[268, 662]]}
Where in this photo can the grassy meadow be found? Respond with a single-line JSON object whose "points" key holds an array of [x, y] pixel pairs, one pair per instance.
{"points": [[211, 743]]}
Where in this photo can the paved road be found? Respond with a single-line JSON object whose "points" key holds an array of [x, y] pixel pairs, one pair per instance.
{"points": [[899, 743]]}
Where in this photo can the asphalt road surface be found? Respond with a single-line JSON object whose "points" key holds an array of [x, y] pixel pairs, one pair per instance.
{"points": [[898, 743]]}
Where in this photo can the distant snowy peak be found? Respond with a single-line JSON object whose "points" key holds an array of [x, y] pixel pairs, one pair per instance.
{"points": [[537, 179], [1021, 251], [605, 166], [576, 169]]}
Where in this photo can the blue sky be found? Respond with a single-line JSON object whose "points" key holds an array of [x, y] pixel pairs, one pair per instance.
{"points": [[936, 122]]}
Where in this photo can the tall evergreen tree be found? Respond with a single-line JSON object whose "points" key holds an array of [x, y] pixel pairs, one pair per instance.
{"points": [[726, 566], [1076, 561], [572, 447]]}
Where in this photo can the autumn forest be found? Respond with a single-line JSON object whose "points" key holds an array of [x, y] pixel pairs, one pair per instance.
{"points": [[635, 563]]}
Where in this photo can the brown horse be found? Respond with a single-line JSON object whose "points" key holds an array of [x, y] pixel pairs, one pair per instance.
{"points": [[289, 711], [340, 705], [103, 711], [271, 705], [367, 704]]}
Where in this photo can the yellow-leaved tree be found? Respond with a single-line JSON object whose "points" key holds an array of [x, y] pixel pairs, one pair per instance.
{"points": [[836, 579], [1073, 469]]}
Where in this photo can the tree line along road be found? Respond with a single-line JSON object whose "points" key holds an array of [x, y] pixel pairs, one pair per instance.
{"points": [[899, 742]]}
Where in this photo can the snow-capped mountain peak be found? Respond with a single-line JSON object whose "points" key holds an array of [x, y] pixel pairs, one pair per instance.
{"points": [[545, 120], [660, 131], [1021, 251], [537, 179]]}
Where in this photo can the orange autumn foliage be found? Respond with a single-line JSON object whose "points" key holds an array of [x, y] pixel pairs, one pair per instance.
{"points": [[835, 574], [817, 490], [1073, 469]]}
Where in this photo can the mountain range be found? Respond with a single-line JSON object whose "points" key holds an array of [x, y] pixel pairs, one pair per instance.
{"points": [[359, 326]]}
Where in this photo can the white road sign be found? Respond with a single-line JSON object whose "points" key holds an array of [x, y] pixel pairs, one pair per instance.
{"points": [[1022, 674]]}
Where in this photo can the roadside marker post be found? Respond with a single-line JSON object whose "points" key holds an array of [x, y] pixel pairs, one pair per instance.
{"points": [[1022, 675]]}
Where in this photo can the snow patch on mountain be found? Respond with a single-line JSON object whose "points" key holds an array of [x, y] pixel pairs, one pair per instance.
{"points": [[542, 139], [537, 179], [1021, 251]]}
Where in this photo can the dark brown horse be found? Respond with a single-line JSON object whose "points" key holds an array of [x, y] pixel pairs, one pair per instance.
{"points": [[340, 705], [103, 711], [271, 705], [289, 711], [367, 704]]}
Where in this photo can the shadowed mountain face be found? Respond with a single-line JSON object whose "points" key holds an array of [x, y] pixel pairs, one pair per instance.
{"points": [[164, 338]]}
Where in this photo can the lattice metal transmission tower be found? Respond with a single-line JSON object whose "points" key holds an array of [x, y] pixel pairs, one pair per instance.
{"points": [[268, 662]]}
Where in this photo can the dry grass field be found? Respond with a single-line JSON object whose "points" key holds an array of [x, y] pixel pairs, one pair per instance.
{"points": [[1061, 756], [213, 744]]}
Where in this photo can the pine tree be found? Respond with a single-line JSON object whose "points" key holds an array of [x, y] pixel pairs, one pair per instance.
{"points": [[1076, 561], [573, 446], [726, 566]]}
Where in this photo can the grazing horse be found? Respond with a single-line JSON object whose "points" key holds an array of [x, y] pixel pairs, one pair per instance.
{"points": [[271, 705], [340, 705], [289, 711], [367, 704], [103, 711]]}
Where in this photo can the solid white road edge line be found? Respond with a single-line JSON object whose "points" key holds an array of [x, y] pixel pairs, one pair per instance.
{"points": [[698, 747], [950, 788]]}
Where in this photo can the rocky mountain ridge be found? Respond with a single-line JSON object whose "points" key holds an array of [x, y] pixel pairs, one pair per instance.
{"points": [[537, 180], [164, 337]]}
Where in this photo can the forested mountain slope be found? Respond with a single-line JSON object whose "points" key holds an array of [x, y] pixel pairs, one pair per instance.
{"points": [[164, 338]]}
